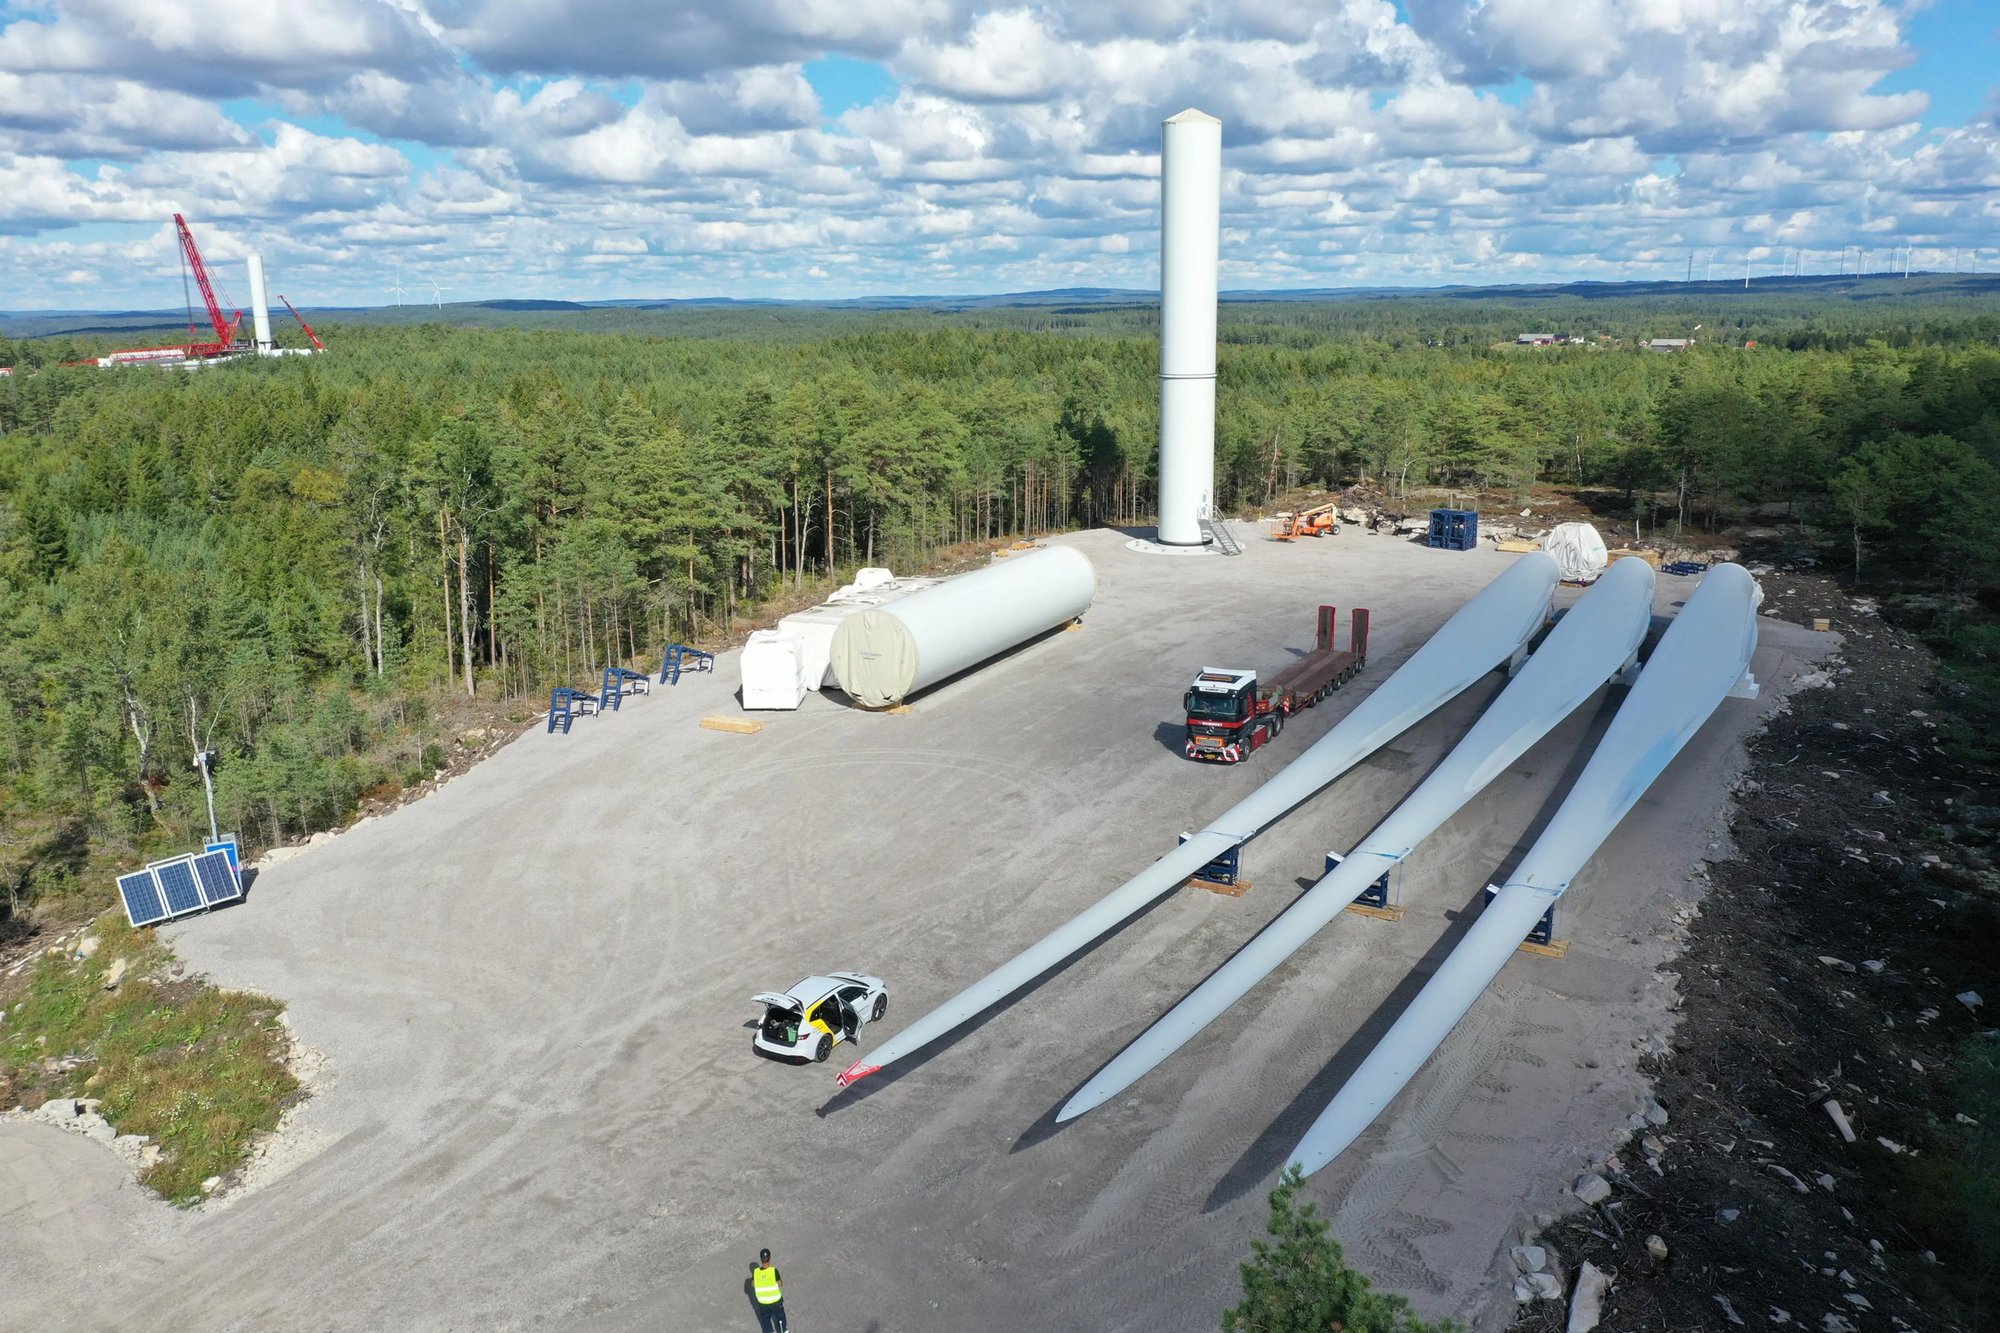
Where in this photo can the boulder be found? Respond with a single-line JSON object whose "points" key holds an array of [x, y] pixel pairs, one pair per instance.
{"points": [[115, 974], [1591, 1188], [1586, 1307], [1530, 1258], [88, 946]]}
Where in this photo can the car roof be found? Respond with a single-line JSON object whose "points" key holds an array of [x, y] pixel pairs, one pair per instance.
{"points": [[814, 988]]}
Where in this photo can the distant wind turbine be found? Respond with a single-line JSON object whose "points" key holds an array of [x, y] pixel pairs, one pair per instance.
{"points": [[437, 294], [398, 289]]}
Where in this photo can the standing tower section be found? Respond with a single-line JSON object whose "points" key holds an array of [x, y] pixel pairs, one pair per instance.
{"points": [[1190, 252]]}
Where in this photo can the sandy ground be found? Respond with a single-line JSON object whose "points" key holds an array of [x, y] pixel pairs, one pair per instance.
{"points": [[533, 989]]}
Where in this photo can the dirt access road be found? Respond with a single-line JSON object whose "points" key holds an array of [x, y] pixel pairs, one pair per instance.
{"points": [[533, 988]]}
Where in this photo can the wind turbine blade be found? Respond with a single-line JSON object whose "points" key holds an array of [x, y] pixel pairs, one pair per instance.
{"points": [[1700, 659], [1482, 634], [1595, 641]]}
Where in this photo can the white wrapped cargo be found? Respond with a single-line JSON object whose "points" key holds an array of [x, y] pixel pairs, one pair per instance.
{"points": [[809, 635], [774, 670], [885, 654], [1578, 552], [814, 629]]}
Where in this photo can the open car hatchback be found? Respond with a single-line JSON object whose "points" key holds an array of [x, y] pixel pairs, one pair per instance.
{"points": [[817, 1014]]}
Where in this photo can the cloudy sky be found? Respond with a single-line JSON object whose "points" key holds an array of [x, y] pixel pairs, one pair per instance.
{"points": [[829, 148]]}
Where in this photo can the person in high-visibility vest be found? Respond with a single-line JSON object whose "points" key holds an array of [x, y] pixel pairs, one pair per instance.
{"points": [[770, 1296]]}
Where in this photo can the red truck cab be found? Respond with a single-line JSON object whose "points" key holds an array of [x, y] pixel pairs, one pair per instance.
{"points": [[1225, 721], [1229, 714]]}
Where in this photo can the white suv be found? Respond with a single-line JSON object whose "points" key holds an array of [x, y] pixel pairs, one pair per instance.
{"points": [[817, 1014]]}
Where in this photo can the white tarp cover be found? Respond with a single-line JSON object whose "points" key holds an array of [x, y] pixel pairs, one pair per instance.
{"points": [[774, 670], [1578, 551]]}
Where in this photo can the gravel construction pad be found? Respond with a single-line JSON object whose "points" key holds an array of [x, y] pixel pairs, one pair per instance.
{"points": [[532, 988]]}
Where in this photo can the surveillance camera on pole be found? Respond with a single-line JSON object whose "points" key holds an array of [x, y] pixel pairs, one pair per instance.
{"points": [[205, 761]]}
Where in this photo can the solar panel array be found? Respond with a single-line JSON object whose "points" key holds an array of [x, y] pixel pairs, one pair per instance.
{"points": [[178, 886]]}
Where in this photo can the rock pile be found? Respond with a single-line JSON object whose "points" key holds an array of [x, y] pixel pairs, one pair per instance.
{"points": [[79, 1115]]}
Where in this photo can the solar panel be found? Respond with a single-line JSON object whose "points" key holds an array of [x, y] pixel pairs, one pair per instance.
{"points": [[143, 905], [177, 885], [217, 878]]}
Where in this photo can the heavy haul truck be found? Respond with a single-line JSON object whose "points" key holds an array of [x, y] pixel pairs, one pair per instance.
{"points": [[1230, 713]]}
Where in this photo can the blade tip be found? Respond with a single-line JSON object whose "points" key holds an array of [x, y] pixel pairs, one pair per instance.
{"points": [[854, 1073]]}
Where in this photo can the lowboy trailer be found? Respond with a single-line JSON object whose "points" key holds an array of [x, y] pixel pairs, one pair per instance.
{"points": [[1230, 713]]}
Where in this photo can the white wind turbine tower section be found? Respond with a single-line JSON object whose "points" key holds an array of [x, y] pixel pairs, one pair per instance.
{"points": [[398, 287], [437, 294], [260, 306], [1190, 250]]}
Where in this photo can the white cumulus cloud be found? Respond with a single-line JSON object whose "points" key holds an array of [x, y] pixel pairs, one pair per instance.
{"points": [[600, 148]]}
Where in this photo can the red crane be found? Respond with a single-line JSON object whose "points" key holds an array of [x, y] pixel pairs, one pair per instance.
{"points": [[193, 349], [317, 344], [225, 333]]}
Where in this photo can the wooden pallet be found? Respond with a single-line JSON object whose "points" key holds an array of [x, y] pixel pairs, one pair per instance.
{"points": [[1393, 912], [742, 726], [1236, 890], [1556, 949], [1517, 546]]}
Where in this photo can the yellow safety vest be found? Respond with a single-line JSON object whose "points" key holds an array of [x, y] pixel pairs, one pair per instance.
{"points": [[766, 1280]]}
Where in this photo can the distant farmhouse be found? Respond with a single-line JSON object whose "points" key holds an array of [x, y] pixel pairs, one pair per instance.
{"points": [[1669, 344], [1544, 339]]}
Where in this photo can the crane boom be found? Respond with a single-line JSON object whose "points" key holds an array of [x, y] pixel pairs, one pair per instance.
{"points": [[317, 344], [225, 331]]}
